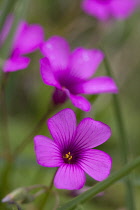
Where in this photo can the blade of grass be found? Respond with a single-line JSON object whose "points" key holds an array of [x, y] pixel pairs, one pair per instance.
{"points": [[124, 150], [6, 8], [101, 186], [9, 164]]}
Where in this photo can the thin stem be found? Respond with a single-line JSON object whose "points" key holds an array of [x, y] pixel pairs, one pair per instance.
{"points": [[42, 204], [5, 77], [4, 120], [123, 142], [57, 200], [101, 186], [42, 191], [16, 206], [7, 6], [4, 184], [29, 138], [32, 187]]}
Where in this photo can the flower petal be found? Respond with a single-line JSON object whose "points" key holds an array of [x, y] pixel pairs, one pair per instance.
{"points": [[84, 62], [15, 64], [122, 9], [70, 177], [91, 133], [80, 102], [62, 127], [100, 10], [28, 38], [57, 50], [97, 85], [47, 74], [96, 164], [47, 152]]}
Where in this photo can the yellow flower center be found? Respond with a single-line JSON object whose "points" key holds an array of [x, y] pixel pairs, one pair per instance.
{"points": [[68, 156]]}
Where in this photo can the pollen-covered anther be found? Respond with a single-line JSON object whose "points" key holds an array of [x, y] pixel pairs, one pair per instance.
{"points": [[67, 156]]}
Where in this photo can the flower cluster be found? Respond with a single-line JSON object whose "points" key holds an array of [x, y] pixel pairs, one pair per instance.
{"points": [[105, 9], [71, 74]]}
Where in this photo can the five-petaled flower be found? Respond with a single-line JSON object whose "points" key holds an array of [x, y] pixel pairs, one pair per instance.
{"points": [[105, 9], [71, 150], [27, 39], [70, 72]]}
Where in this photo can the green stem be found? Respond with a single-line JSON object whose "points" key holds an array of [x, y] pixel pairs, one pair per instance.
{"points": [[4, 120], [123, 142], [45, 199], [7, 6], [4, 80], [101, 186], [29, 138], [4, 184], [16, 206]]}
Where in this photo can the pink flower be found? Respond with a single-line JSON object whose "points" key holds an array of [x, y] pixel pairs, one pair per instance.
{"points": [[27, 39], [70, 72], [105, 9], [71, 150]]}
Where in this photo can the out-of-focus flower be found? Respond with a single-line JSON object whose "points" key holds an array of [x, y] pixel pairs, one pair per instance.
{"points": [[71, 150], [105, 9], [70, 72], [27, 39], [6, 28]]}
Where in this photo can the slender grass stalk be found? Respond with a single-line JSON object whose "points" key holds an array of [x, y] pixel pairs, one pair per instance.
{"points": [[4, 185], [7, 6], [18, 207], [4, 80], [101, 186], [4, 119], [124, 151], [45, 199], [28, 139]]}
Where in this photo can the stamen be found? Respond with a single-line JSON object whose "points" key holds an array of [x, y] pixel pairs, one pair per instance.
{"points": [[68, 156]]}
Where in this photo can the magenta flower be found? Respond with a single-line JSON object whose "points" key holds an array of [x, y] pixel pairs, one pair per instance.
{"points": [[27, 39], [105, 9], [70, 72], [71, 150]]}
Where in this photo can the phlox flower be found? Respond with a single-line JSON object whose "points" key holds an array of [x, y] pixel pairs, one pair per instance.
{"points": [[70, 72], [71, 150], [105, 9], [27, 39]]}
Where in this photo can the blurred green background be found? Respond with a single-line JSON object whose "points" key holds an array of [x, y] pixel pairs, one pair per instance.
{"points": [[28, 97]]}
